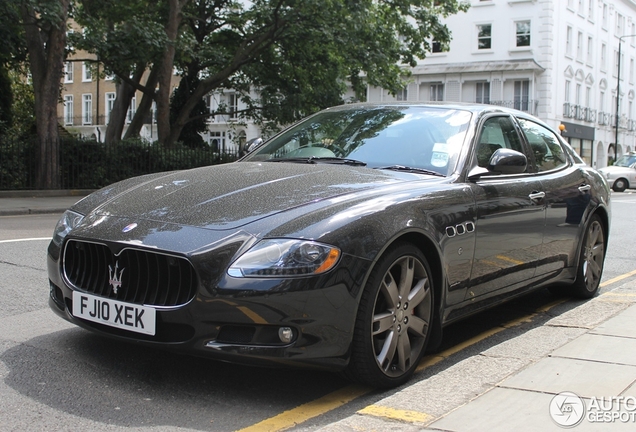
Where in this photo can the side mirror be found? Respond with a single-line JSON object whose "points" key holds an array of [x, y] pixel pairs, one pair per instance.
{"points": [[502, 161], [250, 145]]}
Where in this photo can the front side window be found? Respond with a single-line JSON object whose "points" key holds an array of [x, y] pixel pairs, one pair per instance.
{"points": [[484, 36], [496, 133], [548, 153], [523, 33]]}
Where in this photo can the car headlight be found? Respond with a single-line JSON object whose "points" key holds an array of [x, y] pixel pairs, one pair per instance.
{"points": [[67, 222], [285, 258]]}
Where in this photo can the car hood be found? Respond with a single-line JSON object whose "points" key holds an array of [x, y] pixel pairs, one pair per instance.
{"points": [[232, 195], [614, 169]]}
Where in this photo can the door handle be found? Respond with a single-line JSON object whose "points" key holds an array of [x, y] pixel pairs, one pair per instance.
{"points": [[585, 187], [537, 196]]}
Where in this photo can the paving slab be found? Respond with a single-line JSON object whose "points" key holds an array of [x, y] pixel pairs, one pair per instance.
{"points": [[585, 378], [623, 325], [600, 348]]}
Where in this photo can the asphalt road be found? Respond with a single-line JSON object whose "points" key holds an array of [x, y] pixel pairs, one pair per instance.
{"points": [[54, 376]]}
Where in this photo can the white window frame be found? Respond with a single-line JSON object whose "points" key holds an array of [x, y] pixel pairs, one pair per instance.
{"points": [[132, 109], [567, 91], [68, 72], [605, 16], [482, 92], [620, 24], [478, 28], [87, 75], [109, 104], [232, 105], [603, 57], [568, 41], [590, 51], [68, 110], [579, 46], [527, 34], [590, 11], [522, 95], [436, 92], [402, 95], [87, 109]]}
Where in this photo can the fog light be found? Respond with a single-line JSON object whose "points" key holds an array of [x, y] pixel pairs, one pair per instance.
{"points": [[285, 334]]}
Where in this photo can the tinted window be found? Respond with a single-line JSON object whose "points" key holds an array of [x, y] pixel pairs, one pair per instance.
{"points": [[496, 133], [548, 153]]}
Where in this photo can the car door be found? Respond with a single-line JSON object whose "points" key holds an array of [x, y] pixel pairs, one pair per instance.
{"points": [[567, 196], [510, 215]]}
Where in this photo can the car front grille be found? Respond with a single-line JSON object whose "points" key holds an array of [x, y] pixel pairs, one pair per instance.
{"points": [[134, 276]]}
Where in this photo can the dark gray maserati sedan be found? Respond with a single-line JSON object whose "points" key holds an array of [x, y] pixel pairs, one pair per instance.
{"points": [[346, 242]]}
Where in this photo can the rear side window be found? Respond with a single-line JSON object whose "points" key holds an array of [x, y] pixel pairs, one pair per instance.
{"points": [[548, 153]]}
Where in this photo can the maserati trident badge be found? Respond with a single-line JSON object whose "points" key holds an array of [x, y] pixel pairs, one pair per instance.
{"points": [[115, 277]]}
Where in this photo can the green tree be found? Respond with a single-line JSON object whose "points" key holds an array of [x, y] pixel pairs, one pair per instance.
{"points": [[44, 26], [299, 55]]}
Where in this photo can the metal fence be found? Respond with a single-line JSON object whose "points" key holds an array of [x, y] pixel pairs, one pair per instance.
{"points": [[88, 164]]}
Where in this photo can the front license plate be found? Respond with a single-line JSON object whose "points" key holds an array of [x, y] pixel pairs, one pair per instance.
{"points": [[127, 316]]}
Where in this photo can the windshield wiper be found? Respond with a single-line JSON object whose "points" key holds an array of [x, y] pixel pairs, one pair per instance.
{"points": [[411, 169], [315, 159]]}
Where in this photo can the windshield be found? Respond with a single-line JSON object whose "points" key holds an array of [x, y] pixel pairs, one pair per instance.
{"points": [[626, 160], [427, 138]]}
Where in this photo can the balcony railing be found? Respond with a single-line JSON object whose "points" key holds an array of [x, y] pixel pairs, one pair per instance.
{"points": [[579, 112], [527, 105]]}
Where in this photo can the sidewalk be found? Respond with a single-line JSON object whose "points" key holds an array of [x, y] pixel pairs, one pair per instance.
{"points": [[579, 366], [14, 203]]}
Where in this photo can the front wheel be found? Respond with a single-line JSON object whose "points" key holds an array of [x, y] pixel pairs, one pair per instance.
{"points": [[591, 260], [394, 319], [619, 185]]}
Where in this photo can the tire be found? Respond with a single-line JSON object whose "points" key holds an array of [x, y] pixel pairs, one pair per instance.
{"points": [[591, 260], [394, 321], [619, 185]]}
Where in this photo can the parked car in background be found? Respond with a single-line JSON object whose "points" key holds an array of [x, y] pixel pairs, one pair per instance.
{"points": [[347, 242], [621, 175]]}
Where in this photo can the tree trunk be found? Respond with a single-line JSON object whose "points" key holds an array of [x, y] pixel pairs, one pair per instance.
{"points": [[46, 62], [134, 128], [117, 120], [165, 71]]}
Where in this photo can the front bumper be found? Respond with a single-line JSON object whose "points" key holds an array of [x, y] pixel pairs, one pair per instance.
{"points": [[239, 320]]}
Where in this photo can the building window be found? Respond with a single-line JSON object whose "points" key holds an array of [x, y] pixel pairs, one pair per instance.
{"points": [[484, 36], [601, 102], [232, 106], [87, 75], [590, 50], [436, 47], [110, 104], [483, 93], [523, 33], [217, 141], [620, 24], [568, 41], [615, 63], [605, 16], [68, 110], [68, 72], [567, 91], [590, 10], [588, 96], [603, 57], [579, 46], [87, 109], [522, 95], [132, 109], [581, 7], [437, 92], [577, 95], [402, 95]]}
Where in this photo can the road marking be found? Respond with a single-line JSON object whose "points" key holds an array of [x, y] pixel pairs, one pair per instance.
{"points": [[396, 414], [618, 278], [304, 412], [26, 239], [510, 260]]}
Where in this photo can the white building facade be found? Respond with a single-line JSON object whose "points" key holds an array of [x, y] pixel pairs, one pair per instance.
{"points": [[556, 59]]}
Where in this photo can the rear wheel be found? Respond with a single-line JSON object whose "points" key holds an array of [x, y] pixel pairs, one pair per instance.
{"points": [[394, 319], [619, 185], [591, 260]]}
